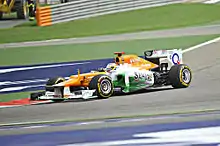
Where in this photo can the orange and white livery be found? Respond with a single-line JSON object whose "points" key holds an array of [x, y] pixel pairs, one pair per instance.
{"points": [[126, 73]]}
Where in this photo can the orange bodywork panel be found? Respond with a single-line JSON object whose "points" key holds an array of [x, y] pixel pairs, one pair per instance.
{"points": [[137, 61], [84, 79], [81, 79]]}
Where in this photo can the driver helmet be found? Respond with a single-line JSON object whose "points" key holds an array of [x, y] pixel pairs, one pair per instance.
{"points": [[110, 67]]}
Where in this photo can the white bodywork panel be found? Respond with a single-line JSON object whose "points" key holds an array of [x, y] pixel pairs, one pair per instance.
{"points": [[172, 57], [130, 71]]}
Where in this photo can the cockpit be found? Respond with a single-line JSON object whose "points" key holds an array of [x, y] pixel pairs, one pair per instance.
{"points": [[132, 60], [110, 67]]}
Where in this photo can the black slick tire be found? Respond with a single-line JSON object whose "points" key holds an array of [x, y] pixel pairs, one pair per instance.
{"points": [[21, 9], [180, 76], [53, 81], [103, 85], [50, 83]]}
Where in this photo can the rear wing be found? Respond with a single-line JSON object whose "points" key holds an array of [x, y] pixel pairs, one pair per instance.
{"points": [[172, 57]]}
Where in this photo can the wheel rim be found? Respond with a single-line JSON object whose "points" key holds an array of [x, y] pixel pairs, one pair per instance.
{"points": [[105, 86], [186, 76]]}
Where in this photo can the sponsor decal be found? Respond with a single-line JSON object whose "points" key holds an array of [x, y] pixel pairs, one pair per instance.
{"points": [[148, 53], [164, 51], [175, 59], [87, 93], [133, 60], [141, 75]]}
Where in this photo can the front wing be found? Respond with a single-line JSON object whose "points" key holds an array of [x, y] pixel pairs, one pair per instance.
{"points": [[84, 94], [57, 95]]}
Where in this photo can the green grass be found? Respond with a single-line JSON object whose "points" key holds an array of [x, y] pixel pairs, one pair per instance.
{"points": [[9, 15], [13, 96], [74, 52], [88, 51], [171, 16]]}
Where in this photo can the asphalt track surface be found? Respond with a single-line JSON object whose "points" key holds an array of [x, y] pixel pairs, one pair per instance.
{"points": [[178, 32], [10, 22], [203, 94]]}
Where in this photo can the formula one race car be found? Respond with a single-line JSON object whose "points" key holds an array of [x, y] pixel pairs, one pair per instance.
{"points": [[128, 73]]}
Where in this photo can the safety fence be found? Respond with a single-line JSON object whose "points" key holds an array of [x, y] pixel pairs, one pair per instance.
{"points": [[79, 9], [43, 16]]}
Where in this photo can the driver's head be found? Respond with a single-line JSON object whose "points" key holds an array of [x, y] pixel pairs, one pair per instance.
{"points": [[110, 67]]}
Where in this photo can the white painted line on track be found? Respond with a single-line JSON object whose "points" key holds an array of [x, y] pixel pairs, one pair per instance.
{"points": [[89, 123], [19, 88], [212, 1], [202, 45], [25, 81], [40, 67], [190, 136], [9, 106]]}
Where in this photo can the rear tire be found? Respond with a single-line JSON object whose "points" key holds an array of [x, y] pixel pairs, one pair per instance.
{"points": [[21, 8], [180, 76], [103, 85]]}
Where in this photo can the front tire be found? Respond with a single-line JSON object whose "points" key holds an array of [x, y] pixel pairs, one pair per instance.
{"points": [[180, 76], [103, 85], [53, 81], [50, 83]]}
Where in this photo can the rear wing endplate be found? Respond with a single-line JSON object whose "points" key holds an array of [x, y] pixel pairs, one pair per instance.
{"points": [[173, 56]]}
